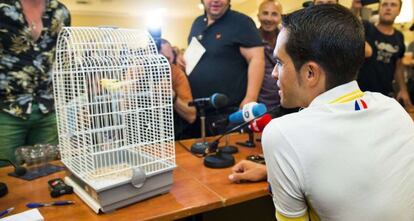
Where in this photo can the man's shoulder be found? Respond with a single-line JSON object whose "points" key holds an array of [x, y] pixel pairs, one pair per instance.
{"points": [[399, 34], [199, 19], [239, 16], [367, 24], [369, 28], [56, 5]]}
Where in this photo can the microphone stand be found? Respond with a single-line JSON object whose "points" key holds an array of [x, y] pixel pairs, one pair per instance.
{"points": [[250, 142], [215, 157], [216, 100], [227, 148], [20, 171], [200, 147]]}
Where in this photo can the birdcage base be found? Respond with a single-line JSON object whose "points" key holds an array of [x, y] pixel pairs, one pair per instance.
{"points": [[119, 196]]}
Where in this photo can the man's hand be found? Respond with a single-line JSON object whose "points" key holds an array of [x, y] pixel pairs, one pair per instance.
{"points": [[356, 7], [248, 171], [246, 100], [405, 98], [255, 72]]}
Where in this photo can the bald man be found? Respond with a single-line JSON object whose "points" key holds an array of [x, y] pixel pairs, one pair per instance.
{"points": [[270, 15]]}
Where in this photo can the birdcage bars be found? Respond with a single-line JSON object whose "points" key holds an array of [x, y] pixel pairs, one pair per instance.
{"points": [[113, 102]]}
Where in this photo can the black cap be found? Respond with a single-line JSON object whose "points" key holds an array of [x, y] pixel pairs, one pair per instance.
{"points": [[307, 4]]}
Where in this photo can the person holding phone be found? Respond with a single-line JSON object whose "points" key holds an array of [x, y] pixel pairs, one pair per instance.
{"points": [[387, 44]]}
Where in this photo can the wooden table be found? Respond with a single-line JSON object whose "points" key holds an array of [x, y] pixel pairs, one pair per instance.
{"points": [[216, 179], [196, 189]]}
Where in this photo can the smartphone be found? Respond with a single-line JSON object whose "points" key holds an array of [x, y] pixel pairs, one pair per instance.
{"points": [[369, 2], [58, 187], [256, 159]]}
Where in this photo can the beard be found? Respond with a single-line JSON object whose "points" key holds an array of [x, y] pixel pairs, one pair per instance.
{"points": [[386, 22]]}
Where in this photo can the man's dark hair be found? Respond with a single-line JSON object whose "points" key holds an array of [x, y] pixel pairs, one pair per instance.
{"points": [[329, 35]]}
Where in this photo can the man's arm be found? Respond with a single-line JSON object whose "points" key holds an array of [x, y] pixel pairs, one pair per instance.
{"points": [[255, 58], [185, 111], [281, 217], [368, 50], [356, 7], [403, 92], [183, 95], [284, 174], [408, 60], [250, 171]]}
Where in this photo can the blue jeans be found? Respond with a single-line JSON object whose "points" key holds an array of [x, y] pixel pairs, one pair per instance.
{"points": [[16, 132]]}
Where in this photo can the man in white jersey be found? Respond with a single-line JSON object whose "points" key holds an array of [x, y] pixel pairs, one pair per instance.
{"points": [[348, 155]]}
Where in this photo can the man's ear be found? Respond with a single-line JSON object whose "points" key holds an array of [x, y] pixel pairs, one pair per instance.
{"points": [[312, 73]]}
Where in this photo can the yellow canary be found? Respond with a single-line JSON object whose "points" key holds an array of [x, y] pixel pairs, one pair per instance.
{"points": [[111, 84]]}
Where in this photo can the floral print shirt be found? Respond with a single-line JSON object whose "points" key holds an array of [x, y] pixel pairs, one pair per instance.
{"points": [[26, 64]]}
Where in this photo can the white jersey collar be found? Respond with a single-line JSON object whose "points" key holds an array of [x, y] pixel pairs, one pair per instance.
{"points": [[335, 93]]}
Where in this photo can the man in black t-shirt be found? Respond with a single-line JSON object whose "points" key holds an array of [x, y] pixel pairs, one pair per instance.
{"points": [[233, 63], [385, 64]]}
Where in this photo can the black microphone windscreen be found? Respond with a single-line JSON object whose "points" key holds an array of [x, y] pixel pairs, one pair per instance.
{"points": [[219, 100], [3, 189], [412, 27], [20, 171]]}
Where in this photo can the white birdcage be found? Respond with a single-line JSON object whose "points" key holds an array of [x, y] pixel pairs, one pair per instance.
{"points": [[113, 102]]}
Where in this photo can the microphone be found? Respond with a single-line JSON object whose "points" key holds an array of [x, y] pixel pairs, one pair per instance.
{"points": [[216, 100], [249, 112], [259, 124], [412, 27], [18, 170]]}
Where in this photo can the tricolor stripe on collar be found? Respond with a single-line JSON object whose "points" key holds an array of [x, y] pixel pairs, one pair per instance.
{"points": [[354, 95]]}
